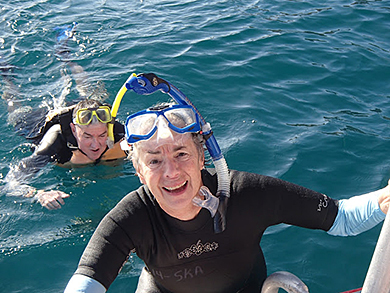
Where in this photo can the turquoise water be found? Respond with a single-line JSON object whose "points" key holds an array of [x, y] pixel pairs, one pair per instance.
{"points": [[293, 89]]}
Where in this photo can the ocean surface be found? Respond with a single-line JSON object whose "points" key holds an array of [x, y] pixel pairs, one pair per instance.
{"points": [[299, 90]]}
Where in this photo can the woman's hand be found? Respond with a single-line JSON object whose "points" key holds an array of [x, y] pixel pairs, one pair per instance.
{"points": [[384, 198]]}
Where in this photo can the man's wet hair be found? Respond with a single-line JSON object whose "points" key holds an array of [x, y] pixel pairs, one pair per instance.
{"points": [[86, 104]]}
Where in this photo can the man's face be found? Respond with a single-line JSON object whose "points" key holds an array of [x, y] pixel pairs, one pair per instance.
{"points": [[91, 139], [172, 172]]}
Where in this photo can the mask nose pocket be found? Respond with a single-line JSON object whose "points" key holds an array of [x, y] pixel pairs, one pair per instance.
{"points": [[163, 131]]}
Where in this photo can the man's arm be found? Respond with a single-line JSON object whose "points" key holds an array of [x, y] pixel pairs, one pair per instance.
{"points": [[19, 176]]}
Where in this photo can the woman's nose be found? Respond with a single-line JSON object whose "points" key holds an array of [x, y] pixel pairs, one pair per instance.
{"points": [[171, 169]]}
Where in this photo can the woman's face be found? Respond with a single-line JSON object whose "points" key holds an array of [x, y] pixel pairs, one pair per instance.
{"points": [[172, 172]]}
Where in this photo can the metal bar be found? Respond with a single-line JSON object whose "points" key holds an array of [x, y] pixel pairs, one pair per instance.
{"points": [[378, 275]]}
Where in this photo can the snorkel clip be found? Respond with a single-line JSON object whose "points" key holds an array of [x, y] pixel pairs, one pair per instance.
{"points": [[147, 83]]}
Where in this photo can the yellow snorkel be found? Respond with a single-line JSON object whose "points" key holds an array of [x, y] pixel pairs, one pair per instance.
{"points": [[114, 111]]}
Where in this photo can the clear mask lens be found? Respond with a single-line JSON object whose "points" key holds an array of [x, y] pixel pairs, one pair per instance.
{"points": [[144, 124], [84, 116]]}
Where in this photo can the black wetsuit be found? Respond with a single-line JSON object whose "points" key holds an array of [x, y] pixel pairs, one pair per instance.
{"points": [[187, 256], [53, 139]]}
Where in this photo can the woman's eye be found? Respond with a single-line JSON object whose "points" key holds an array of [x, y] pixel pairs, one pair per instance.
{"points": [[182, 155], [154, 162]]}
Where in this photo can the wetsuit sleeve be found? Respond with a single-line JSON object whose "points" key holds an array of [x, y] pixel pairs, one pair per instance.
{"points": [[105, 254], [306, 208], [276, 201], [111, 243], [30, 165], [357, 214], [19, 176], [43, 154], [46, 152]]}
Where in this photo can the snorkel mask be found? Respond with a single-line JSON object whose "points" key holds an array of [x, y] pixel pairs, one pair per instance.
{"points": [[162, 123], [145, 84], [84, 116]]}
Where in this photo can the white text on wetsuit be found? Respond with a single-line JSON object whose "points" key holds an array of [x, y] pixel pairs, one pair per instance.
{"points": [[180, 275], [189, 272], [323, 203]]}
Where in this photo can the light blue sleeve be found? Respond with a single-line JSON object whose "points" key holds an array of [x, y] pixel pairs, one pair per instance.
{"points": [[357, 214], [84, 284]]}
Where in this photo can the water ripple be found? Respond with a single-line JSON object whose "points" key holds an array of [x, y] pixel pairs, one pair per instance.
{"points": [[299, 88]]}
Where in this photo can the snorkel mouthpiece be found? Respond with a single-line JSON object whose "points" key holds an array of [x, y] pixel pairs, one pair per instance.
{"points": [[210, 201]]}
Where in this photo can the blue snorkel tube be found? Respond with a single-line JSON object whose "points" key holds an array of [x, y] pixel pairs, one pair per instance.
{"points": [[146, 84]]}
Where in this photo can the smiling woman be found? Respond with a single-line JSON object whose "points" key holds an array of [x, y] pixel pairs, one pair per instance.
{"points": [[163, 222], [168, 155]]}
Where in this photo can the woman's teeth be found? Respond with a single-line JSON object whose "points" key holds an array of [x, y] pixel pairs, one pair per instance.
{"points": [[176, 187]]}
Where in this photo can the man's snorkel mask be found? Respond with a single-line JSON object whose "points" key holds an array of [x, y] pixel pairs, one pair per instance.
{"points": [[145, 84]]}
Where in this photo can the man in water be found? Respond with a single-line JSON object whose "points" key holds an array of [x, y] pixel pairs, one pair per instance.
{"points": [[169, 220], [75, 135]]}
